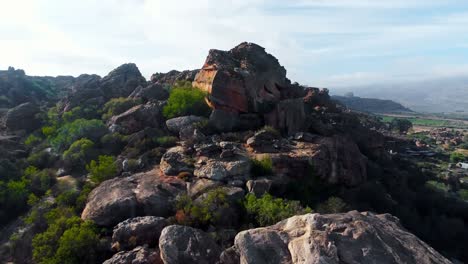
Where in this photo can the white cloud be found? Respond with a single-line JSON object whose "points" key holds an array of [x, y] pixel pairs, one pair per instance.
{"points": [[318, 41]]}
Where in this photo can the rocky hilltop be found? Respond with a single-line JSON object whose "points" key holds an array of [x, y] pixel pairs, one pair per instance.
{"points": [[233, 179]]}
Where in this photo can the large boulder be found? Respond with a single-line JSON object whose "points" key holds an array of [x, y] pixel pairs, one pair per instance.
{"points": [[139, 255], [137, 118], [223, 170], [187, 245], [145, 193], [177, 124], [138, 231], [351, 237], [121, 81], [242, 80], [23, 117]]}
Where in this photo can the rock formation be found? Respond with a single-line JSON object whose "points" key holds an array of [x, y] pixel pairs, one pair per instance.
{"points": [[352, 237], [145, 193]]}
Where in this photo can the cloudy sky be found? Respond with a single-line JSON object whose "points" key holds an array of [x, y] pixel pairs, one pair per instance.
{"points": [[327, 43]]}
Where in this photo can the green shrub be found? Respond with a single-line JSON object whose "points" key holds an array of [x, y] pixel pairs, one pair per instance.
{"points": [[209, 211], [86, 112], [331, 206], [437, 186], [271, 130], [113, 142], [79, 153], [39, 181], [40, 159], [116, 106], [463, 194], [32, 140], [457, 157], [262, 166], [166, 141], [186, 100], [104, 169], [268, 210], [67, 239], [80, 128]]}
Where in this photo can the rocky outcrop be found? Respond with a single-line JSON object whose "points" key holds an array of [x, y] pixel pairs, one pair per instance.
{"points": [[178, 124], [139, 255], [23, 117], [145, 193], [84, 91], [121, 81], [175, 161], [351, 237], [137, 231], [170, 78], [335, 160], [137, 118], [187, 245], [152, 92]]}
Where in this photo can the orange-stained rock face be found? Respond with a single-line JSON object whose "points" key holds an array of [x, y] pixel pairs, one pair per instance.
{"points": [[245, 79]]}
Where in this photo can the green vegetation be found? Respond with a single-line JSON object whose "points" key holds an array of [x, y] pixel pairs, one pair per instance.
{"points": [[456, 157], [80, 128], [268, 210], [67, 239], [116, 106], [186, 100], [262, 166], [166, 141], [79, 153], [32, 140], [401, 125], [332, 205], [201, 214], [103, 169], [271, 130], [437, 186], [427, 121], [85, 112]]}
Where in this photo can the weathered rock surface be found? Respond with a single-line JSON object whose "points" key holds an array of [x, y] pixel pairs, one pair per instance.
{"points": [[244, 79], [336, 160], [175, 161], [23, 117], [259, 186], [150, 92], [187, 245], [121, 81], [137, 118], [170, 78], [351, 237], [138, 231], [139, 255], [219, 170], [145, 193], [177, 124]]}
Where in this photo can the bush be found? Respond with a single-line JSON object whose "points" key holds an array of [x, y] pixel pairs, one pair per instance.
{"points": [[39, 181], [166, 142], [401, 125], [332, 205], [113, 143], [262, 166], [80, 128], [102, 170], [209, 211], [67, 239], [456, 157], [186, 100], [268, 210], [32, 140], [79, 153], [88, 112], [116, 106], [41, 159]]}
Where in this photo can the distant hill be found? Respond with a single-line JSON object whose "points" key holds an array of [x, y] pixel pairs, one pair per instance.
{"points": [[447, 95], [371, 105]]}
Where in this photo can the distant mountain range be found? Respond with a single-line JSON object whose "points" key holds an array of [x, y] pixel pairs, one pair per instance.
{"points": [[433, 96], [371, 105]]}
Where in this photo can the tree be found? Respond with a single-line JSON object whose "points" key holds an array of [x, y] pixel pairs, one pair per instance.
{"points": [[103, 169], [81, 128], [401, 125], [186, 100]]}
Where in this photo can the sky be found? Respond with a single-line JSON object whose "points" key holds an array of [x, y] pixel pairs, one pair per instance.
{"points": [[324, 43]]}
